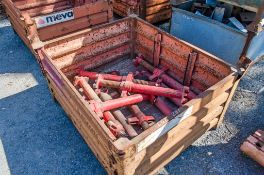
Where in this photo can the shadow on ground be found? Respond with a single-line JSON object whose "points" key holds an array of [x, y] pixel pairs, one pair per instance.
{"points": [[38, 138]]}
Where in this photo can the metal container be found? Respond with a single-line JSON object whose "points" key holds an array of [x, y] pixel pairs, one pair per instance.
{"points": [[113, 46]]}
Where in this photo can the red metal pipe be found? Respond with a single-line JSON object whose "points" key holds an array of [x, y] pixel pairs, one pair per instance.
{"points": [[115, 127], [138, 88], [179, 102], [139, 117], [163, 107], [123, 101], [119, 116], [165, 78], [95, 75]]}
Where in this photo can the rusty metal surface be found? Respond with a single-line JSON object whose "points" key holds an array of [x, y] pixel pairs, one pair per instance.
{"points": [[89, 14], [254, 147], [152, 11], [110, 42], [174, 52]]}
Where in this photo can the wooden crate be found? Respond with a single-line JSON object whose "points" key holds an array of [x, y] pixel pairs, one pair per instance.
{"points": [[152, 11], [118, 42], [37, 21]]}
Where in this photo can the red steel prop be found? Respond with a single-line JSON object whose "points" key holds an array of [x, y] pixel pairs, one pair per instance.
{"points": [[162, 106], [160, 73], [99, 106], [139, 117], [95, 75], [119, 116], [158, 102], [179, 102], [115, 127], [139, 88]]}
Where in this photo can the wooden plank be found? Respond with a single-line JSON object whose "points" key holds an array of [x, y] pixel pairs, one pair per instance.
{"points": [[48, 9], [92, 37]]}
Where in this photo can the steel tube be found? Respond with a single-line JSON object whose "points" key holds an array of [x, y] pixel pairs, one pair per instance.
{"points": [[163, 107], [165, 78], [143, 89], [140, 115], [119, 116], [123, 101], [95, 75], [115, 126], [176, 101]]}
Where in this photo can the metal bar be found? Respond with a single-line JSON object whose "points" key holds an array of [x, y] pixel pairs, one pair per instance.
{"points": [[163, 107], [189, 69], [114, 125], [123, 101], [119, 116], [252, 31], [165, 78], [142, 89], [95, 75], [156, 51]]}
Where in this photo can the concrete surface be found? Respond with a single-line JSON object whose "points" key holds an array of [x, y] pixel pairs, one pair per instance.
{"points": [[36, 137]]}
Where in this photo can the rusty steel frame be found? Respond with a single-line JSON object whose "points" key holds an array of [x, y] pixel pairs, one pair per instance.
{"points": [[170, 135]]}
